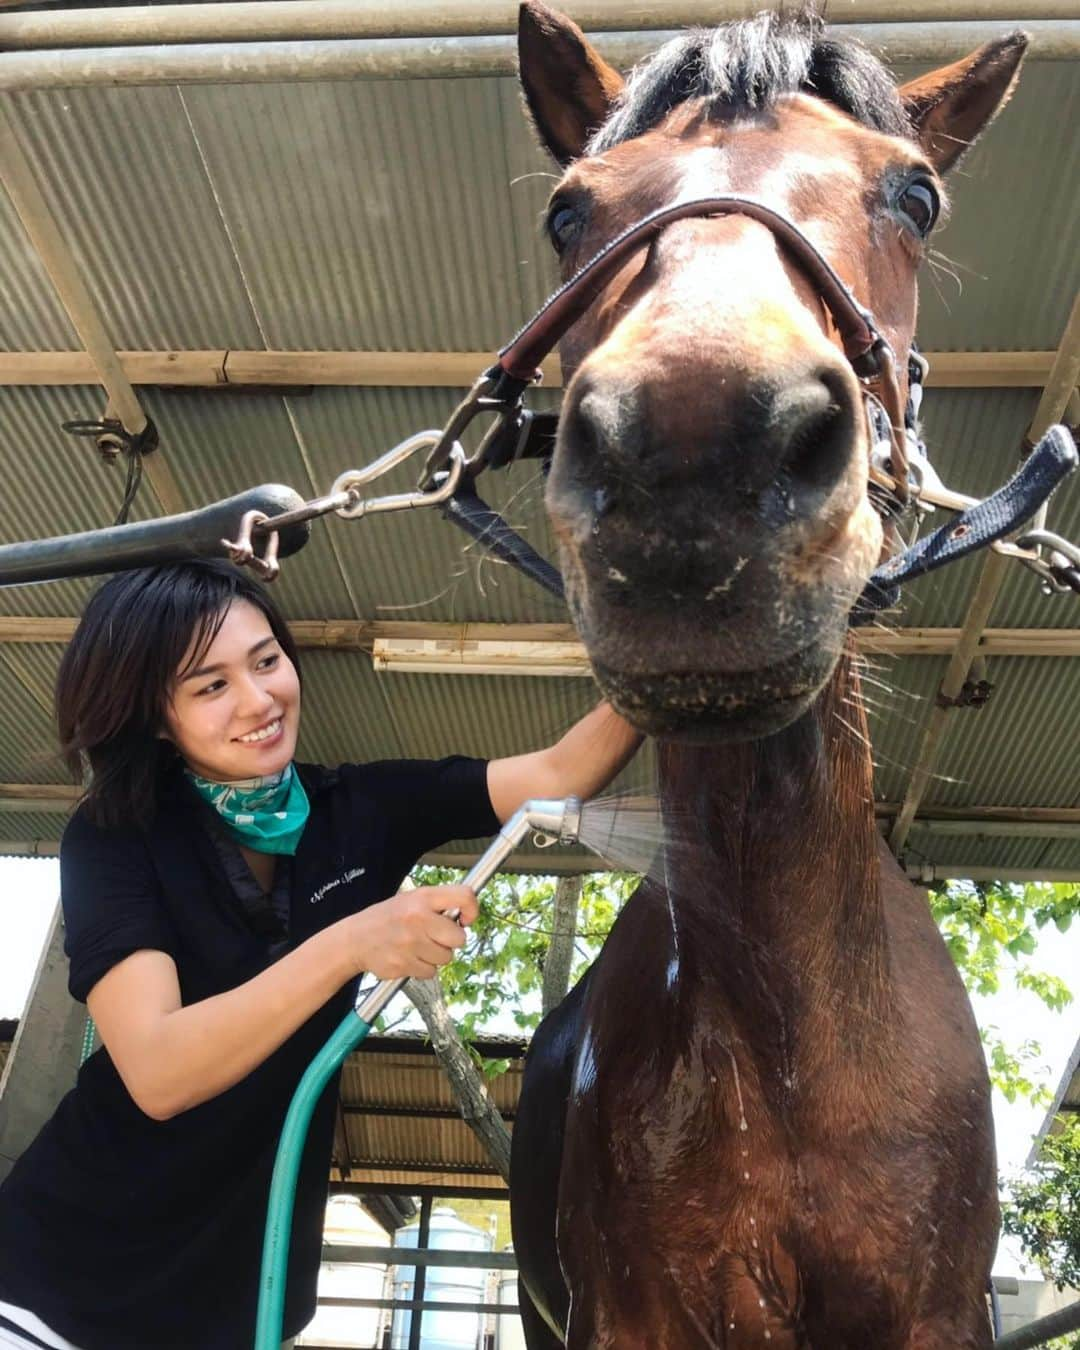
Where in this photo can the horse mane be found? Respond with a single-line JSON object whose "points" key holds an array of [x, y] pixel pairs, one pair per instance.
{"points": [[745, 66]]}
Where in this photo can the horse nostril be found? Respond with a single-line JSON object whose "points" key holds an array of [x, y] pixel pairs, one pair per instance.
{"points": [[818, 427]]}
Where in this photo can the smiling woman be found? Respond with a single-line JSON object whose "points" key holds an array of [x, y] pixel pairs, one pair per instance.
{"points": [[220, 900]]}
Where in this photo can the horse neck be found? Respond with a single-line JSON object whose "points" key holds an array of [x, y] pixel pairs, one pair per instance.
{"points": [[772, 853]]}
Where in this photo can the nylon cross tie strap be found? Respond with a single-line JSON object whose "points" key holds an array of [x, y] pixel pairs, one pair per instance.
{"points": [[996, 516]]}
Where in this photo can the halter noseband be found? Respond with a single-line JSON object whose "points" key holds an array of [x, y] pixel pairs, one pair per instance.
{"points": [[898, 470], [870, 355]]}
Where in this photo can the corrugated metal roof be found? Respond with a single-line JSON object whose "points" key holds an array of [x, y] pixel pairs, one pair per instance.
{"points": [[1030, 707], [122, 171], [403, 215], [401, 1121], [26, 741], [1012, 237]]}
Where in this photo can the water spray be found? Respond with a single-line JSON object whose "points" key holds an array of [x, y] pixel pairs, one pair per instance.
{"points": [[553, 820]]}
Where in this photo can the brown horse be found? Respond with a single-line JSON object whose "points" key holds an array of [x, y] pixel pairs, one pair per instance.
{"points": [[764, 1117]]}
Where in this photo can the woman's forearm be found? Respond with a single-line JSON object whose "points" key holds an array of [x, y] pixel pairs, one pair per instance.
{"points": [[594, 751], [173, 1057], [204, 1048], [581, 763]]}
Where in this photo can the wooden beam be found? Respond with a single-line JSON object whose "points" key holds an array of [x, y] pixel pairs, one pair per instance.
{"points": [[49, 797], [358, 635], [1060, 815], [993, 642], [221, 368], [45, 794]]}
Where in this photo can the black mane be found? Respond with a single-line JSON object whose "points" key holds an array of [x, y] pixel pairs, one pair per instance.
{"points": [[745, 66]]}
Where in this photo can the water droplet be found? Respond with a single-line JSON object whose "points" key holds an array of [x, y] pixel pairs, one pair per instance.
{"points": [[768, 1334], [753, 1221], [743, 1125], [761, 1303], [746, 1176]]}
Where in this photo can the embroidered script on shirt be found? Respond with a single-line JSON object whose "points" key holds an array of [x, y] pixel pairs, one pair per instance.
{"points": [[350, 875]]}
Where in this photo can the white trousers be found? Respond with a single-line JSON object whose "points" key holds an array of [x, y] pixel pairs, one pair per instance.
{"points": [[31, 1333]]}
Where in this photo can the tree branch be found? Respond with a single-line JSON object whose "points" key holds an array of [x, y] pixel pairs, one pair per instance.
{"points": [[560, 953], [466, 1082]]}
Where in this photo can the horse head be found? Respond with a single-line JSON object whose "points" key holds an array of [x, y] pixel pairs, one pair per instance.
{"points": [[709, 486]]}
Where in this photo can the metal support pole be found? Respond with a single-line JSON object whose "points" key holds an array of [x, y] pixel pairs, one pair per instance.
{"points": [[416, 1319], [292, 20], [443, 57]]}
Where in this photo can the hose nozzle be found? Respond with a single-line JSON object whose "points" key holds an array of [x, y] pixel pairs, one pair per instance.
{"points": [[551, 815]]}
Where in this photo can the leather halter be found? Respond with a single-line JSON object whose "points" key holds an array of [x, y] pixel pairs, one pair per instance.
{"points": [[896, 477], [866, 349]]}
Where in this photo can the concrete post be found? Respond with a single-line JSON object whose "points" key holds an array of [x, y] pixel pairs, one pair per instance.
{"points": [[44, 1058]]}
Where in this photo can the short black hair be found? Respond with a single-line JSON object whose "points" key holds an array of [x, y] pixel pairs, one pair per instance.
{"points": [[745, 66], [117, 672]]}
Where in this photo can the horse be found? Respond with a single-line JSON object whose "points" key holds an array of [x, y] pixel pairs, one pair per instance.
{"points": [[763, 1116]]}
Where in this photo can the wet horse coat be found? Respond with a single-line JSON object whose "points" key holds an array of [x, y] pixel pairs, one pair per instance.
{"points": [[763, 1117]]}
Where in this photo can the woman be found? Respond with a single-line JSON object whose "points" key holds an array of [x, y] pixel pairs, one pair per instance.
{"points": [[219, 902]]}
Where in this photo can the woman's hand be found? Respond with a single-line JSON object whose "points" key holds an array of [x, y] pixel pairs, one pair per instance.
{"points": [[410, 934]]}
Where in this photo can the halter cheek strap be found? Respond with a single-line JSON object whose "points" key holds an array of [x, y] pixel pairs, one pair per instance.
{"points": [[899, 468]]}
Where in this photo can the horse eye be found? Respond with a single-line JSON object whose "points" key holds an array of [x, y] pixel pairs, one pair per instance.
{"points": [[918, 204], [563, 225]]}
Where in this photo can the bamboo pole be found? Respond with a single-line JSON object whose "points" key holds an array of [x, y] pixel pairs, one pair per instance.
{"points": [[222, 367], [293, 20], [443, 57], [1017, 821], [359, 635]]}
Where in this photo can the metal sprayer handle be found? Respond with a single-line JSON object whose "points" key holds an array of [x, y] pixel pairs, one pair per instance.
{"points": [[561, 818]]}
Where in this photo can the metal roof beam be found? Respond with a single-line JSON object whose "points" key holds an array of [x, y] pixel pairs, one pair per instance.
{"points": [[1060, 387], [222, 368], [441, 57]]}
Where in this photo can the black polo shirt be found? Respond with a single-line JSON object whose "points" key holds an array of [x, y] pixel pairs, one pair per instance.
{"points": [[125, 1233]]}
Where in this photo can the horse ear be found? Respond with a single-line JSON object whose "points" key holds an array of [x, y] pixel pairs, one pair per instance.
{"points": [[950, 107], [568, 86]]}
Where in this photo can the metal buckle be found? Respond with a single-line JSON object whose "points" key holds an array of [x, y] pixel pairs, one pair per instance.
{"points": [[351, 481], [494, 392]]}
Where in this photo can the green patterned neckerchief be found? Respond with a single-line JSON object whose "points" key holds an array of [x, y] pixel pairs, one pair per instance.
{"points": [[264, 814]]}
